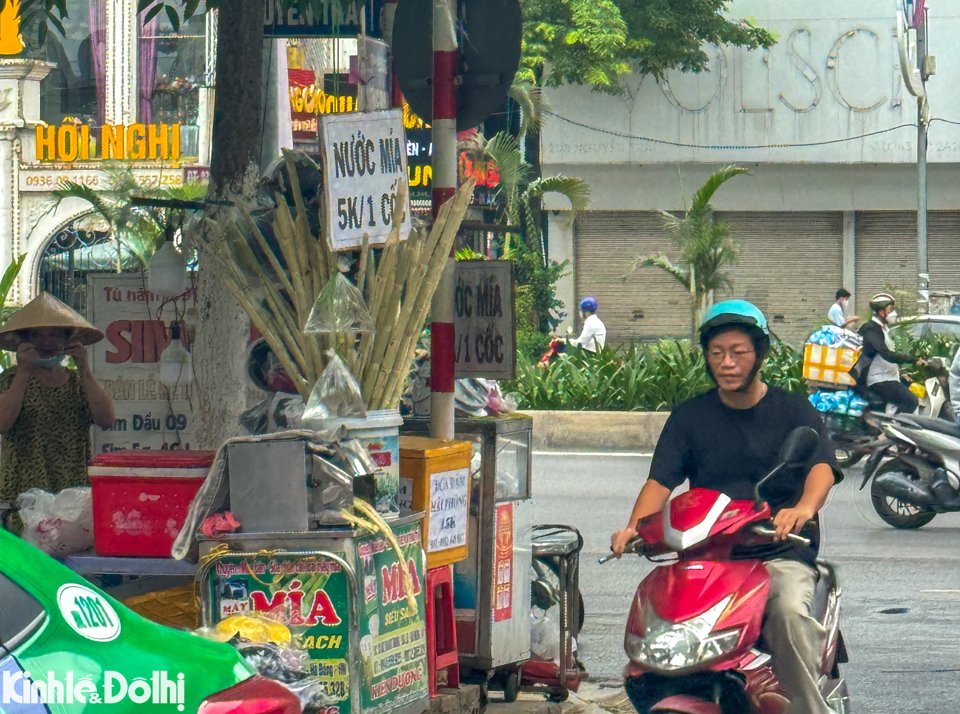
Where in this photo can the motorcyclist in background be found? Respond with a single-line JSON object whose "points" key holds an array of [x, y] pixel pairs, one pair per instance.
{"points": [[883, 375], [727, 440], [594, 334]]}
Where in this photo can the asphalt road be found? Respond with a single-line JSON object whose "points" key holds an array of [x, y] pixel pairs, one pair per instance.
{"points": [[901, 589]]}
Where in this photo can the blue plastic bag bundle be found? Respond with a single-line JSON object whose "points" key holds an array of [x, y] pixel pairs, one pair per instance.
{"points": [[833, 336], [845, 402]]}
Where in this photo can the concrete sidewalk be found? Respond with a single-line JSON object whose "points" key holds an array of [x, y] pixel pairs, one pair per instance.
{"points": [[591, 699]]}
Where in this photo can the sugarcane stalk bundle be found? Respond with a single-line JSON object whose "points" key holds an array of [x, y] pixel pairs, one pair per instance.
{"points": [[279, 287]]}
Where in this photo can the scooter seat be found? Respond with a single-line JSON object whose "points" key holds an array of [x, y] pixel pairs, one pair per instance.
{"points": [[941, 426]]}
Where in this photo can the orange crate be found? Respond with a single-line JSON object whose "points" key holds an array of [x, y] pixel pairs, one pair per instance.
{"points": [[829, 364], [437, 473]]}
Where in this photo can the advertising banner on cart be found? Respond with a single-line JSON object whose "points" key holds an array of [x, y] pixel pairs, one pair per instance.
{"points": [[307, 595], [393, 644], [137, 326]]}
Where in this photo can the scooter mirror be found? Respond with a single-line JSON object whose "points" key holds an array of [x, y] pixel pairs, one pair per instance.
{"points": [[800, 445]]}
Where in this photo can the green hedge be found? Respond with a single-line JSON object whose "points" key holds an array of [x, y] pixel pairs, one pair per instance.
{"points": [[649, 377]]}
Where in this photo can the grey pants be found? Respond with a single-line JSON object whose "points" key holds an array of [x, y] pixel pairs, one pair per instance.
{"points": [[795, 638]]}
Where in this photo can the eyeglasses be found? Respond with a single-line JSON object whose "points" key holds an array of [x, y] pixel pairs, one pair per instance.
{"points": [[717, 355]]}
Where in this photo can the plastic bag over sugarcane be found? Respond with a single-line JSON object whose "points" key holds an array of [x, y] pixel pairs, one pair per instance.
{"points": [[335, 396], [340, 308]]}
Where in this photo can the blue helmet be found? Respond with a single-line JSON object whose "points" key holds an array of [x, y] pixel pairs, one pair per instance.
{"points": [[734, 314], [588, 304]]}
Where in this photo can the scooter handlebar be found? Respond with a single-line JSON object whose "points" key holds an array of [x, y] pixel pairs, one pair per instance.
{"points": [[632, 547]]}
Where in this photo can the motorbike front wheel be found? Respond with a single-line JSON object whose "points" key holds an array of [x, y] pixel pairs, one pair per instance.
{"points": [[892, 510]]}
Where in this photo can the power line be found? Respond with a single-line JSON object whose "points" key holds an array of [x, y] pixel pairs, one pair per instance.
{"points": [[725, 147]]}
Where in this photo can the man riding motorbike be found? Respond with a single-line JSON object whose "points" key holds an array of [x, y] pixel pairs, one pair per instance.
{"points": [[883, 374], [727, 440]]}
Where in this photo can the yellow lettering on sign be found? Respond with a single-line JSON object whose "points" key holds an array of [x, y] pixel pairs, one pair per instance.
{"points": [[46, 143], [84, 142], [11, 43], [67, 141], [158, 145], [136, 143], [112, 142]]}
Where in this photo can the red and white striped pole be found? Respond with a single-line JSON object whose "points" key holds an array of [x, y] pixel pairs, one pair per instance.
{"points": [[444, 125]]}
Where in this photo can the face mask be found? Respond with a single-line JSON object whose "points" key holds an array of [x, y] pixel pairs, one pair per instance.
{"points": [[892, 317], [49, 362]]}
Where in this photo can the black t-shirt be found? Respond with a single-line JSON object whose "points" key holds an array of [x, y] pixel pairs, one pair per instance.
{"points": [[730, 450]]}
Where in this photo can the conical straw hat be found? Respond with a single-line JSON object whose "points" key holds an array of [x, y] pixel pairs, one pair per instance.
{"points": [[46, 311]]}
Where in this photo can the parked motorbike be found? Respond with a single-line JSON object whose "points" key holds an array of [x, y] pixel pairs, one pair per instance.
{"points": [[693, 634], [915, 469], [854, 437]]}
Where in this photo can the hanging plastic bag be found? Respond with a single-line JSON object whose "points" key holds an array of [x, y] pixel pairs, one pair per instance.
{"points": [[340, 308], [336, 395], [58, 524], [545, 633]]}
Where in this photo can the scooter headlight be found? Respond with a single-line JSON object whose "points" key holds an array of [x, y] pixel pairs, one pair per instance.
{"points": [[669, 646]]}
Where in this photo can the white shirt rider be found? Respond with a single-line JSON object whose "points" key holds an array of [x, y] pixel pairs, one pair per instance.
{"points": [[594, 334], [880, 369]]}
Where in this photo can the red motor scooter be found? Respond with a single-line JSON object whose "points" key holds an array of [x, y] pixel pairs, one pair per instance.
{"points": [[693, 635]]}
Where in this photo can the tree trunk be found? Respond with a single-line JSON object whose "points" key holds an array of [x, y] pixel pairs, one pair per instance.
{"points": [[234, 173]]}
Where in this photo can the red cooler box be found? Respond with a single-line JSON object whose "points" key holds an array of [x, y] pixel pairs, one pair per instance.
{"points": [[140, 499]]}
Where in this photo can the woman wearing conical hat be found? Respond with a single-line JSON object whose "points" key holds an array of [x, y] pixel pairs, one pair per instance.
{"points": [[46, 410]]}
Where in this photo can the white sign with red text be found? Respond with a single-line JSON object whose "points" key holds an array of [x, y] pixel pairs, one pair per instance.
{"points": [[137, 326]]}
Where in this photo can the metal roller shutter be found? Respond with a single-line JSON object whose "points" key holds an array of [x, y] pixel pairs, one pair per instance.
{"points": [[943, 250], [790, 266], [886, 254], [649, 304]]}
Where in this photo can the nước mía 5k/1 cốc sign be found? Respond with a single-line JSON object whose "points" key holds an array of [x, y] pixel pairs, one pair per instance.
{"points": [[365, 163]]}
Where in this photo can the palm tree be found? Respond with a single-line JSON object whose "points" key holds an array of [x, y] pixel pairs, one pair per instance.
{"points": [[6, 283], [139, 230], [521, 193], [519, 204], [705, 247]]}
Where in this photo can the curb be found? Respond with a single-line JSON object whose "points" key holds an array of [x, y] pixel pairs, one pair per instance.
{"points": [[597, 431]]}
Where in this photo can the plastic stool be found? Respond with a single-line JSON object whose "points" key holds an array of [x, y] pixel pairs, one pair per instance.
{"points": [[441, 628]]}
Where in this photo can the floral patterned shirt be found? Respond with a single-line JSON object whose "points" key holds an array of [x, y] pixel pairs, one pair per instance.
{"points": [[48, 446]]}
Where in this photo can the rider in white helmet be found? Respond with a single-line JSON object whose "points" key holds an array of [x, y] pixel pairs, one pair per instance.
{"points": [[883, 376]]}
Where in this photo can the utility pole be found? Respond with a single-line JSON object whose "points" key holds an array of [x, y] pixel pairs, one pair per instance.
{"points": [[444, 126], [917, 67], [923, 278]]}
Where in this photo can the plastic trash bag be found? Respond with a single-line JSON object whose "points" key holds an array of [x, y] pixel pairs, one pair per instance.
{"points": [[471, 397], [336, 395], [58, 524], [340, 308], [545, 633], [277, 661], [340, 472], [278, 412]]}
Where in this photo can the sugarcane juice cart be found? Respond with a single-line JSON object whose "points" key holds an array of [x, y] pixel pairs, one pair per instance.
{"points": [[339, 589], [492, 586], [322, 548]]}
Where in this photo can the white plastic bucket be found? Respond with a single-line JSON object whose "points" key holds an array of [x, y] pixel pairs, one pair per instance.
{"points": [[380, 435]]}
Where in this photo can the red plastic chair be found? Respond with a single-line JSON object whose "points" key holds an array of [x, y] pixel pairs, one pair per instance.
{"points": [[441, 628]]}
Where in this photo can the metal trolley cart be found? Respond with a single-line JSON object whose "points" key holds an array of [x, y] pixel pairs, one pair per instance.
{"points": [[492, 586]]}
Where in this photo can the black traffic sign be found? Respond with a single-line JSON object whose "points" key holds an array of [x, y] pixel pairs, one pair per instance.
{"points": [[489, 38]]}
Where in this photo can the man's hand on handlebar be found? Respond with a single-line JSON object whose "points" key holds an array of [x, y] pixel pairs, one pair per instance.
{"points": [[621, 539], [792, 520]]}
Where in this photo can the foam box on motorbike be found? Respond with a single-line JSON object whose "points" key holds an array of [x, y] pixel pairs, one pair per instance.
{"points": [[829, 364]]}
